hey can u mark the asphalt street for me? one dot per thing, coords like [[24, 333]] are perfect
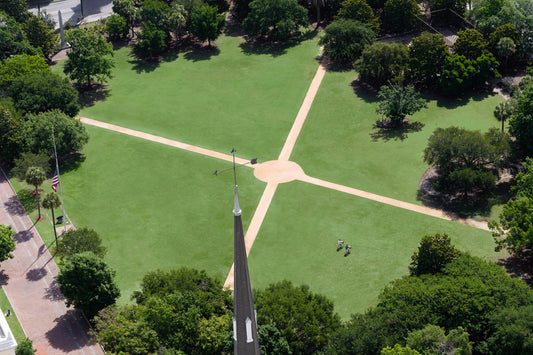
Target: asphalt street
[[71, 9]]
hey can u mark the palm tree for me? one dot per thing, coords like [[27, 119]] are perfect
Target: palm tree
[[35, 176], [503, 111], [51, 201]]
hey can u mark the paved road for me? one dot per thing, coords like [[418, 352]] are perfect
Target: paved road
[[29, 282], [71, 10]]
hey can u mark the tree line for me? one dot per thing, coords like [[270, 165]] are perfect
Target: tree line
[[449, 303]]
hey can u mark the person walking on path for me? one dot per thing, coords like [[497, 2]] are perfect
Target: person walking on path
[[30, 284]]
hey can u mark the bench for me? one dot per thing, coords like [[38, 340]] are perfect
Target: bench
[[59, 220]]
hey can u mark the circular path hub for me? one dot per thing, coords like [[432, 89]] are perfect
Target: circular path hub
[[278, 171]]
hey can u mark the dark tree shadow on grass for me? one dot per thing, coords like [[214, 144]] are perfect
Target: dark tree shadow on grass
[[477, 204], [27, 200], [202, 53], [364, 91], [399, 133], [71, 162], [519, 266], [88, 96], [451, 103], [258, 46]]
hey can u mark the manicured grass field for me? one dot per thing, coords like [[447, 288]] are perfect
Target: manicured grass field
[[298, 242], [160, 207], [156, 206], [230, 98], [339, 144], [12, 320]]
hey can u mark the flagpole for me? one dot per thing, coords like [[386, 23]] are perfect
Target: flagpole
[[60, 185]]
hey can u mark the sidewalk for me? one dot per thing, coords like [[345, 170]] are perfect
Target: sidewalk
[[29, 282]]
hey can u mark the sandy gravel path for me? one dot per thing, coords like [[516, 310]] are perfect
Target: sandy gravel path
[[170, 142], [29, 282]]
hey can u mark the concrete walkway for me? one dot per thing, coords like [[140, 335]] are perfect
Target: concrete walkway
[[29, 282]]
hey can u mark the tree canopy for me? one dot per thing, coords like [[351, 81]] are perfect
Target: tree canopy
[[70, 133], [44, 91], [470, 43], [398, 101], [275, 19], [89, 57], [344, 40], [434, 252], [7, 244], [427, 55], [88, 283], [359, 10], [20, 65], [399, 15], [307, 320], [206, 24], [382, 62], [80, 240]]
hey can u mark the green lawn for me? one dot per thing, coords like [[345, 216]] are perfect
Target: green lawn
[[233, 98], [156, 206], [159, 207], [298, 242], [12, 320], [338, 142]]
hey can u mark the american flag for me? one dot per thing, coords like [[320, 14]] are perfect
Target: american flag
[[55, 181]]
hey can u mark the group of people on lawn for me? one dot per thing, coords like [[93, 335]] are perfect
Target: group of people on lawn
[[348, 248]]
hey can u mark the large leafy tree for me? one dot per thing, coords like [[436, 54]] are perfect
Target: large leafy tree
[[521, 124], [116, 26], [20, 65], [524, 180], [513, 331], [432, 340], [89, 57], [40, 36], [470, 43], [466, 293], [398, 101], [457, 75], [7, 244], [360, 11], [70, 134], [399, 15], [35, 176], [434, 252], [382, 62], [467, 160], [305, 319], [427, 55], [80, 240], [13, 41], [213, 298], [344, 40], [11, 136], [514, 231], [157, 12], [275, 19], [28, 159], [506, 48], [127, 10], [44, 91], [18, 9], [88, 283], [206, 24], [151, 40], [122, 329]]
